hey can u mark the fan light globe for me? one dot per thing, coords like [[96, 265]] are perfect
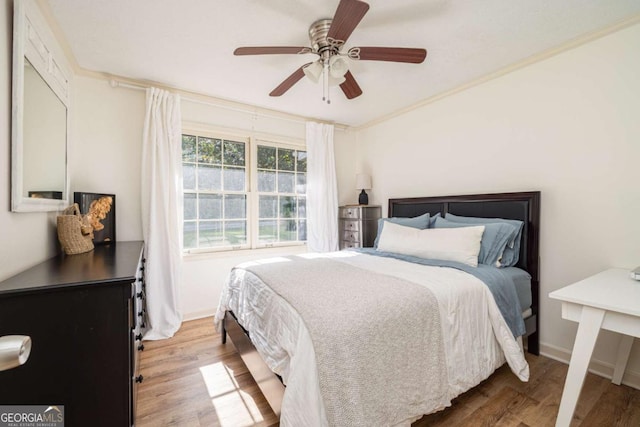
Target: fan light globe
[[313, 71], [338, 66]]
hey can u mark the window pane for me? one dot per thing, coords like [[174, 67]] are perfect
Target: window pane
[[302, 207], [234, 153], [301, 183], [190, 211], [209, 178], [286, 182], [267, 181], [209, 150], [286, 159], [288, 231], [267, 231], [235, 206], [188, 176], [234, 179], [188, 148], [210, 206], [266, 157], [287, 207], [302, 161], [235, 232], [210, 234], [302, 230], [189, 235], [268, 207]]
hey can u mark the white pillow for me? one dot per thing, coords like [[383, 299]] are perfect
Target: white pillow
[[450, 244]]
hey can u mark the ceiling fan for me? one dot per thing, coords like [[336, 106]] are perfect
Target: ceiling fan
[[328, 37]]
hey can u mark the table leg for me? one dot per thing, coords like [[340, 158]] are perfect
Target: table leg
[[588, 329], [624, 349]]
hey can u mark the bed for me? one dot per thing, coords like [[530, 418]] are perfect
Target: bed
[[396, 380]]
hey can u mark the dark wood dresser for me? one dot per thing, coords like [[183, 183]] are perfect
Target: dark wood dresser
[[84, 314]]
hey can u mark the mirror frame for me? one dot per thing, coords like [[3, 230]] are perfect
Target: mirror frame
[[34, 40]]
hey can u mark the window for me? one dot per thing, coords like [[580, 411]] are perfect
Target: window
[[282, 184], [218, 178]]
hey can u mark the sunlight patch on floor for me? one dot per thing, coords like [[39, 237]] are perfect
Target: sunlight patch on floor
[[233, 405]]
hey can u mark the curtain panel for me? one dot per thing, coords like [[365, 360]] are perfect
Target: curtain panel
[[322, 189], [162, 211]]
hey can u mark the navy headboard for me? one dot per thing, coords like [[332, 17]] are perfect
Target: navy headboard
[[524, 206]]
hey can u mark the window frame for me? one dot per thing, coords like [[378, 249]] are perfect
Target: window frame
[[252, 140], [255, 214]]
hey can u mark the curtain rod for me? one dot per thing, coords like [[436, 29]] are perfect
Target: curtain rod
[[116, 83]]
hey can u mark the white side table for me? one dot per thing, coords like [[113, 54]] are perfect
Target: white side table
[[609, 300]]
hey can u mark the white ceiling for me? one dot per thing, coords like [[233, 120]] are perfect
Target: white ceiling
[[188, 44]]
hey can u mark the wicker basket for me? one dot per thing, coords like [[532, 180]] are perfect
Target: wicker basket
[[74, 233]]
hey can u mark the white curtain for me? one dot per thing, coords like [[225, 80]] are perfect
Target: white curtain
[[162, 211], [322, 189]]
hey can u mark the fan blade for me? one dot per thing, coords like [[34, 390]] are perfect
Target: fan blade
[[392, 54], [289, 82], [271, 50], [350, 86], [347, 17]]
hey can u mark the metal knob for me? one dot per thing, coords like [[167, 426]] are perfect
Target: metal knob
[[139, 378]]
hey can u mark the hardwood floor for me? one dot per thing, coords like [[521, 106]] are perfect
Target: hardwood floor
[[194, 380]]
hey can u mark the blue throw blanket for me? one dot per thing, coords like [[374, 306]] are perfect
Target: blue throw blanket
[[499, 283]]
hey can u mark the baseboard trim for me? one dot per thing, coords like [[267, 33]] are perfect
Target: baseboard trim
[[598, 367], [198, 315]]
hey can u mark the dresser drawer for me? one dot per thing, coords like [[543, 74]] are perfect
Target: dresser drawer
[[350, 225], [346, 245], [351, 236], [349, 212]]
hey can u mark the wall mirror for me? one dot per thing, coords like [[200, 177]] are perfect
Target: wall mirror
[[40, 119]]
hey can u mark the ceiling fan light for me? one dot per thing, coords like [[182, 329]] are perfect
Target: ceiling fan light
[[313, 71], [338, 66]]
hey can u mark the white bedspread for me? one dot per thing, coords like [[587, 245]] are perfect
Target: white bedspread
[[477, 339]]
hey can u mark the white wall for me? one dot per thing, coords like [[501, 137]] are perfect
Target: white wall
[[106, 148], [27, 238], [567, 126]]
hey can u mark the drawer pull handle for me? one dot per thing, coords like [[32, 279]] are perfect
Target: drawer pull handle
[[141, 347], [138, 337], [139, 378], [139, 294]]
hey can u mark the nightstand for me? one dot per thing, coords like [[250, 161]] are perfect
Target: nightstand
[[358, 225]]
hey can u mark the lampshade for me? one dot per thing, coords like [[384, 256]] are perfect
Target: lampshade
[[313, 71], [363, 181]]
